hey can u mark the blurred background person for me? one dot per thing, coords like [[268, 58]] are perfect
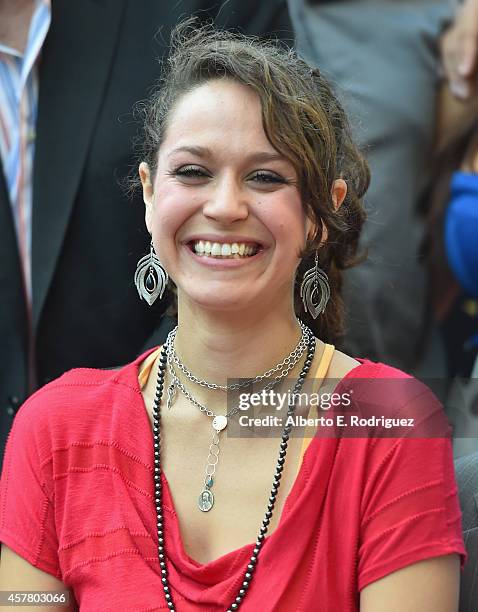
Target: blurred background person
[[70, 73], [451, 246], [384, 57], [453, 203]]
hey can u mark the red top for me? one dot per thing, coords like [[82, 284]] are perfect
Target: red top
[[77, 502]]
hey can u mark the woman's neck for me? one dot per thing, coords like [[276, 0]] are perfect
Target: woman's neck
[[217, 346]]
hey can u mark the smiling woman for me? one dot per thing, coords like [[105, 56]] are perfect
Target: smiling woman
[[297, 143], [133, 488], [224, 193]]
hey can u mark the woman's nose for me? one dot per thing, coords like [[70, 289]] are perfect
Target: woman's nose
[[227, 202]]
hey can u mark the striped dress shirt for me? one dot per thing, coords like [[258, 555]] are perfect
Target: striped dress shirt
[[18, 113]]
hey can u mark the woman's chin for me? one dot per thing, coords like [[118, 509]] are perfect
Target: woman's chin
[[217, 300], [220, 305]]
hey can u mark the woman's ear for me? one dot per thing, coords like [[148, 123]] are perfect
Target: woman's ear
[[339, 191], [148, 193]]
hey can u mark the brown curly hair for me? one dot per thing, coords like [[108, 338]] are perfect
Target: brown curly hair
[[302, 119]]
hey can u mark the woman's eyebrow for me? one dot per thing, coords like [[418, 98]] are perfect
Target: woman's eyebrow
[[266, 156], [195, 150], [262, 156]]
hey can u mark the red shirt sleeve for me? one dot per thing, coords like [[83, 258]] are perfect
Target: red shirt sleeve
[[27, 524], [410, 509]]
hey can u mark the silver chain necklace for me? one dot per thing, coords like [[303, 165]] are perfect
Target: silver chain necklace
[[284, 367], [220, 422]]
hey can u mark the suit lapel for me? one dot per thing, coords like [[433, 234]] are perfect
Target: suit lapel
[[74, 69]]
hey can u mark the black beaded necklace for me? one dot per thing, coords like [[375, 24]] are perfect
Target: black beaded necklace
[[158, 494]]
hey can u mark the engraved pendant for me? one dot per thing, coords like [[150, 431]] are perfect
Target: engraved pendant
[[219, 422], [206, 500]]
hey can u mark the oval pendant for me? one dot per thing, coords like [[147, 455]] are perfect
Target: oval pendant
[[206, 500], [219, 422], [150, 282]]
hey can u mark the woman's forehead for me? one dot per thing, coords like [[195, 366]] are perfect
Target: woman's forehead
[[217, 100], [217, 115]]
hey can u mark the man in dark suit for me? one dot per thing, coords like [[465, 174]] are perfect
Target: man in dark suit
[[99, 58]]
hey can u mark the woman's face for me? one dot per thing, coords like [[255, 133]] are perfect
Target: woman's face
[[224, 211]]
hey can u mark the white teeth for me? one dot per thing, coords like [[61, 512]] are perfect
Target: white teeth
[[224, 249], [199, 247]]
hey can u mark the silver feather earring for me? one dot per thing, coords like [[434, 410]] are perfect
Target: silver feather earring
[[315, 279], [150, 277]]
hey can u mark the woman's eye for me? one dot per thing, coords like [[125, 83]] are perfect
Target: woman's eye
[[190, 172], [267, 177]]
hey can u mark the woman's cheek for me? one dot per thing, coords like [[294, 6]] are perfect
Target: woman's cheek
[[286, 224], [164, 220], [174, 206], [167, 219]]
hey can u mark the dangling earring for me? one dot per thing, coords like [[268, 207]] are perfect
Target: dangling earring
[[150, 277], [309, 290]]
